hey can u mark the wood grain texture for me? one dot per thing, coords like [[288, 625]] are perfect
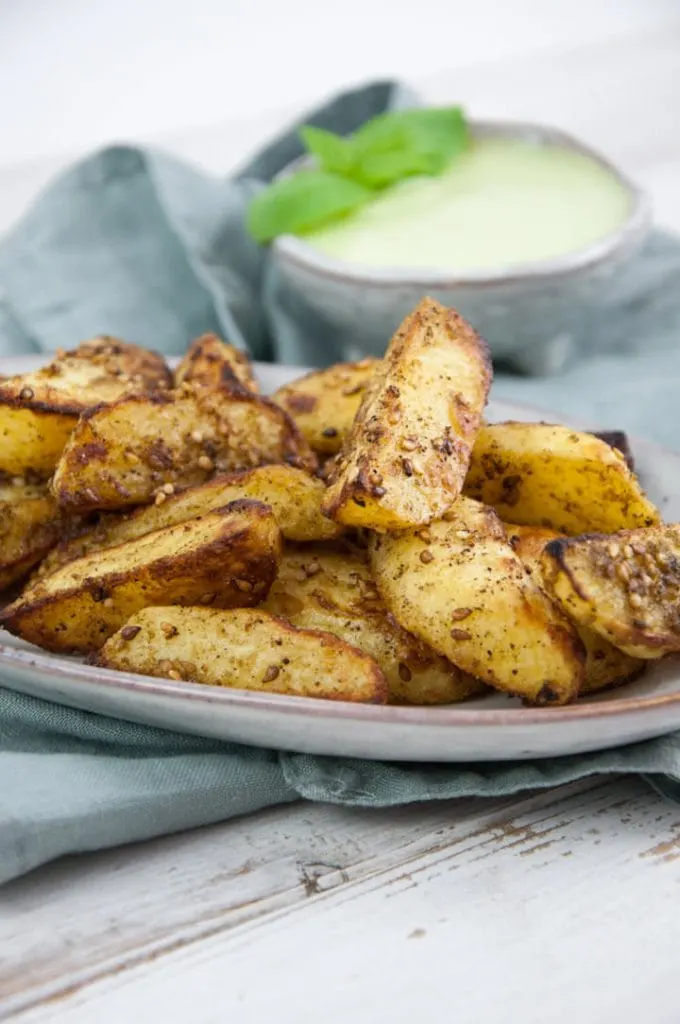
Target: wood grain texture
[[433, 913]]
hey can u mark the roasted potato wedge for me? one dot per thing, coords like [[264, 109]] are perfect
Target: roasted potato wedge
[[133, 450], [625, 587], [459, 586], [540, 474], [324, 403], [319, 587], [293, 496], [247, 649], [211, 362], [618, 439], [39, 410], [30, 523], [605, 665], [408, 450], [227, 558]]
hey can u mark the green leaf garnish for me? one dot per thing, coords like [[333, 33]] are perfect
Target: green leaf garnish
[[297, 204], [333, 152], [385, 150]]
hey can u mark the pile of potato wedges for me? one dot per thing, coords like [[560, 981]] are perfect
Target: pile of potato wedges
[[362, 535]]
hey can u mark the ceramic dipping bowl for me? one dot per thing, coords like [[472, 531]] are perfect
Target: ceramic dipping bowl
[[534, 316]]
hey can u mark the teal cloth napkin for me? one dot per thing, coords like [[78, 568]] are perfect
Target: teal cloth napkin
[[134, 243]]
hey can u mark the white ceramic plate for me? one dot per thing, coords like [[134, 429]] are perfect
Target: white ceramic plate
[[491, 728]]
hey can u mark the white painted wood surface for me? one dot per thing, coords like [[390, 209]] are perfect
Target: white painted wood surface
[[553, 908]]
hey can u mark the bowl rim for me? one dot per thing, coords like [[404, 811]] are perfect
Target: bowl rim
[[617, 243]]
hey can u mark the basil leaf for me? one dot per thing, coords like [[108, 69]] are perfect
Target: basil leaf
[[304, 201], [396, 145], [333, 152]]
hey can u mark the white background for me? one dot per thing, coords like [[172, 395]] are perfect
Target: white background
[[78, 73]]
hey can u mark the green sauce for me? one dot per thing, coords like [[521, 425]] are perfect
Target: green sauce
[[503, 202]]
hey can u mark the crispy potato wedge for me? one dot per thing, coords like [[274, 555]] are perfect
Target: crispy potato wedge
[[624, 587], [39, 410], [539, 474], [247, 649], [331, 589], [606, 666], [618, 439], [293, 496], [408, 451], [131, 451], [324, 403], [211, 362], [227, 558], [459, 586], [30, 524]]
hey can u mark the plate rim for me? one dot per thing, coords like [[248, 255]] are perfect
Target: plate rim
[[452, 715], [57, 668]]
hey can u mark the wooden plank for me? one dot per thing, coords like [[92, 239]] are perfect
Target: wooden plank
[[566, 896], [85, 916]]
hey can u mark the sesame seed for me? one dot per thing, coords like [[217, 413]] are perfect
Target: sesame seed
[[426, 556], [168, 630], [168, 488], [407, 466], [26, 393], [160, 498], [462, 534], [378, 492], [460, 613], [460, 634], [628, 551], [405, 672], [425, 534], [196, 436], [409, 444], [130, 632], [635, 600], [271, 674], [312, 568], [108, 602], [245, 586], [622, 571], [613, 550], [205, 462], [329, 432], [174, 674]]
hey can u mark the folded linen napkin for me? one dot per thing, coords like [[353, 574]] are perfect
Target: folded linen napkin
[[134, 243]]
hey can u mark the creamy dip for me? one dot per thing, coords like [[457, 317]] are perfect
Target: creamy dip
[[503, 202]]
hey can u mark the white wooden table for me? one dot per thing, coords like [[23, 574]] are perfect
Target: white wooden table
[[559, 907]]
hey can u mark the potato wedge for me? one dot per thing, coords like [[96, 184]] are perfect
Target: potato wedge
[[131, 451], [618, 439], [460, 587], [293, 496], [606, 666], [539, 474], [625, 587], [211, 362], [408, 451], [227, 558], [30, 524], [246, 649], [324, 403], [331, 589], [39, 410]]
